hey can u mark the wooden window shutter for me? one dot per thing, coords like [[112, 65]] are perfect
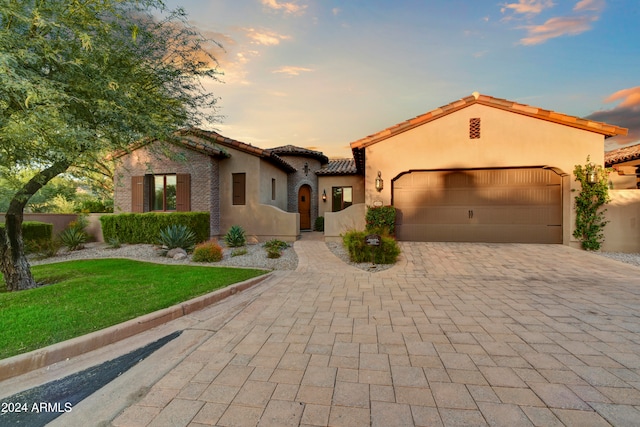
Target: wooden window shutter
[[137, 194], [239, 184], [183, 192]]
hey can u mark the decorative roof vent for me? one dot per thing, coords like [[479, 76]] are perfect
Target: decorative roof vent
[[474, 128]]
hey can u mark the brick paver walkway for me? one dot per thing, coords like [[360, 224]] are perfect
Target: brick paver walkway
[[454, 335]]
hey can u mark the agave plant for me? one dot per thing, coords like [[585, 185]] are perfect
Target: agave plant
[[178, 236], [73, 238], [235, 237]]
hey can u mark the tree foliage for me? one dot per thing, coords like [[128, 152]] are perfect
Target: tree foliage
[[594, 193], [79, 79]]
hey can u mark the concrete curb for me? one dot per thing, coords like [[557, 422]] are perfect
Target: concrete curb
[[27, 362]]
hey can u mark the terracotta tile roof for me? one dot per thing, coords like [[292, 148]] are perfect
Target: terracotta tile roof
[[292, 150], [242, 146], [338, 167], [621, 155], [196, 145], [503, 104]]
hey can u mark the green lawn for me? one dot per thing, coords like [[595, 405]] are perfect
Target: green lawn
[[85, 296]]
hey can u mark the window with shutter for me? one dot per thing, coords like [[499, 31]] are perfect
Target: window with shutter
[[171, 192], [239, 187], [137, 194], [183, 192]]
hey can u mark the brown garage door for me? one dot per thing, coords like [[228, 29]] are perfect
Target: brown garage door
[[522, 205]]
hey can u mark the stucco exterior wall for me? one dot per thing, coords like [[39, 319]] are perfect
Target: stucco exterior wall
[[326, 183], [264, 221], [267, 173], [337, 223], [507, 140], [622, 233]]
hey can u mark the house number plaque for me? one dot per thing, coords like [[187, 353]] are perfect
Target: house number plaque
[[372, 240]]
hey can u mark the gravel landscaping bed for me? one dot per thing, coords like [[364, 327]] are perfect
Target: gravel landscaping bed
[[256, 256], [633, 259]]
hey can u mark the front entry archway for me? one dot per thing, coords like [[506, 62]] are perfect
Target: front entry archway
[[304, 207]]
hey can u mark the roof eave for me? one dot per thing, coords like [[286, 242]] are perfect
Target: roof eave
[[589, 125]]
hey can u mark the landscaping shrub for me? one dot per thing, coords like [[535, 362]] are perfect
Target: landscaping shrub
[[273, 252], [35, 231], [38, 238], [145, 227], [381, 220], [275, 247], [238, 252], [359, 251], [73, 238], [319, 224], [207, 252], [178, 236], [113, 242], [235, 237], [275, 243]]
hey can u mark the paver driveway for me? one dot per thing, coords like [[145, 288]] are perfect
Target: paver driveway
[[455, 334]]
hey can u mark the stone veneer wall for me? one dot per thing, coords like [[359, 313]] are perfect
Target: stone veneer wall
[[298, 179], [204, 171]]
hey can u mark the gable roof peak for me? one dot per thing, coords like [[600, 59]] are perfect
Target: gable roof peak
[[477, 98]]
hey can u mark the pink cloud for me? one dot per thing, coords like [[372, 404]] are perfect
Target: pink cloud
[[528, 6], [289, 8], [578, 21], [592, 5], [557, 27], [626, 114]]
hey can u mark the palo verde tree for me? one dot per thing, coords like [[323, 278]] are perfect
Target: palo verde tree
[[80, 78]]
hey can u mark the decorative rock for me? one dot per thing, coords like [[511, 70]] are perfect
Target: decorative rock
[[252, 240], [180, 256], [173, 252]]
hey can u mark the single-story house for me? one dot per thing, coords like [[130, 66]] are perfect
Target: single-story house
[[479, 169], [271, 193]]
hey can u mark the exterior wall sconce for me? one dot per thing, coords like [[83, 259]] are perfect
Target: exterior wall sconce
[[379, 182], [324, 195], [306, 168], [592, 177]]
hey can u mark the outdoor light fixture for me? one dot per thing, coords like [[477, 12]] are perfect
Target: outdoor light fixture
[[306, 168], [324, 195], [379, 182], [592, 177]]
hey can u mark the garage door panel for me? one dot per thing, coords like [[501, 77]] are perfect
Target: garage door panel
[[479, 233], [497, 205]]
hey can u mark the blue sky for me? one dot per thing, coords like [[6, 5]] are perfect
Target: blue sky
[[323, 73]]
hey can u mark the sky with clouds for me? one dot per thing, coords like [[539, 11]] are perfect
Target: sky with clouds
[[323, 73]]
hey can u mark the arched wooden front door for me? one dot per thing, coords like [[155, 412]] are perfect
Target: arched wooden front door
[[304, 207]]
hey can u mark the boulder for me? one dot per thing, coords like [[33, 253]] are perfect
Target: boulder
[[252, 240], [179, 256], [173, 252]]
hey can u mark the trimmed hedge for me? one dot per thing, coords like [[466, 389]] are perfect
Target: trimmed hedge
[[35, 231], [359, 251], [146, 227], [36, 235]]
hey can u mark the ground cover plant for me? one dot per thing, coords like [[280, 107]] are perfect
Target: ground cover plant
[[275, 247], [79, 297]]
